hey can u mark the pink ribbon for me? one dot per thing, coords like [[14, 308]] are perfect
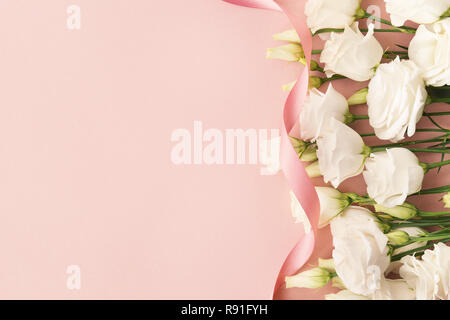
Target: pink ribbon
[[293, 168]]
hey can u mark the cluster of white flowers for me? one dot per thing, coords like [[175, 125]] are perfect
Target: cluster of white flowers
[[365, 243]]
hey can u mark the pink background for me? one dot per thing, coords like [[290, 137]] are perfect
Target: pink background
[[86, 177]]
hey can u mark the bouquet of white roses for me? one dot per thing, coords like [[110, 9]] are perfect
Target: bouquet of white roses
[[384, 247]]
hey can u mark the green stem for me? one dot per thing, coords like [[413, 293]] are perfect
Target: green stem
[[430, 151], [335, 77], [442, 151], [437, 190], [386, 22], [372, 134], [316, 51], [439, 100], [327, 30], [410, 252], [424, 238], [437, 113], [360, 117], [397, 52], [433, 214], [418, 224], [408, 143], [430, 166]]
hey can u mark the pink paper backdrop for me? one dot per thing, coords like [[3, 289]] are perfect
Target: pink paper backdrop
[[86, 177]]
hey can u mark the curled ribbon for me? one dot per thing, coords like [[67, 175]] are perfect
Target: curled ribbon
[[293, 168]]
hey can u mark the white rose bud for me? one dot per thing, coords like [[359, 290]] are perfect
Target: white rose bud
[[392, 175], [288, 35], [430, 276], [306, 151], [318, 109], [418, 11], [327, 264], [394, 267], [405, 211], [352, 54], [360, 250], [323, 14], [332, 203], [412, 232], [397, 237], [313, 170], [396, 99], [312, 279], [429, 49], [341, 152], [289, 52], [359, 97]]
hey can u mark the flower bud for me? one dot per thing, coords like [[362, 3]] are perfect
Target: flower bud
[[313, 170], [298, 144], [384, 227], [314, 66], [336, 282], [405, 211], [288, 35], [360, 97], [327, 264], [315, 82], [287, 52], [312, 279], [397, 237], [446, 200], [306, 151], [310, 153]]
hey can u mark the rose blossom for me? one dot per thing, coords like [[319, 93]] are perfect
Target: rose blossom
[[430, 276], [430, 50], [352, 54], [418, 11], [360, 250], [323, 14], [318, 110], [392, 175], [396, 99], [341, 153]]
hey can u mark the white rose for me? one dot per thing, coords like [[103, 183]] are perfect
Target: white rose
[[352, 54], [340, 152], [430, 50], [418, 11], [394, 290], [360, 250], [317, 111], [396, 99], [323, 14], [430, 276], [392, 175]]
